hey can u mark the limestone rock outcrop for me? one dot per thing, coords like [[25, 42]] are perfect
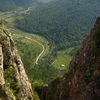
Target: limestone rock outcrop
[[14, 83]]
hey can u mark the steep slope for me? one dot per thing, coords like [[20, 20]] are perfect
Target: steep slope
[[82, 82], [14, 83], [64, 22]]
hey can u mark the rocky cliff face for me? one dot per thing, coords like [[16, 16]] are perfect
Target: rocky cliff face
[[14, 83], [82, 82]]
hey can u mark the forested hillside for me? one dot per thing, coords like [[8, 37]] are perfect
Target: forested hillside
[[62, 22], [7, 5]]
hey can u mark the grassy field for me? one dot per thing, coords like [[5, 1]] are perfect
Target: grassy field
[[63, 58], [27, 49], [20, 37]]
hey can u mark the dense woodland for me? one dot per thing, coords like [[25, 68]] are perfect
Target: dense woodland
[[62, 22], [7, 5]]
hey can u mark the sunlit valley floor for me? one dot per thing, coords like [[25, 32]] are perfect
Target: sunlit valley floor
[[51, 63]]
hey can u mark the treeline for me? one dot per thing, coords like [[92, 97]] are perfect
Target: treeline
[[64, 22]]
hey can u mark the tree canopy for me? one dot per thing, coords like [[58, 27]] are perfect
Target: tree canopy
[[62, 22]]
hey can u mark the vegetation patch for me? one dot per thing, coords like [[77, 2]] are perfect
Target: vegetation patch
[[11, 81], [64, 57]]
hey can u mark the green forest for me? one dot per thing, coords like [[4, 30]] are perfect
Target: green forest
[[10, 5], [7, 5], [64, 23]]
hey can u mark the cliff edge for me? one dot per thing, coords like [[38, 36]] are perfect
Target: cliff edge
[[14, 83], [82, 81]]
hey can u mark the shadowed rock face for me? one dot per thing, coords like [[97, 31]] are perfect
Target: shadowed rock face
[[14, 83], [82, 82]]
